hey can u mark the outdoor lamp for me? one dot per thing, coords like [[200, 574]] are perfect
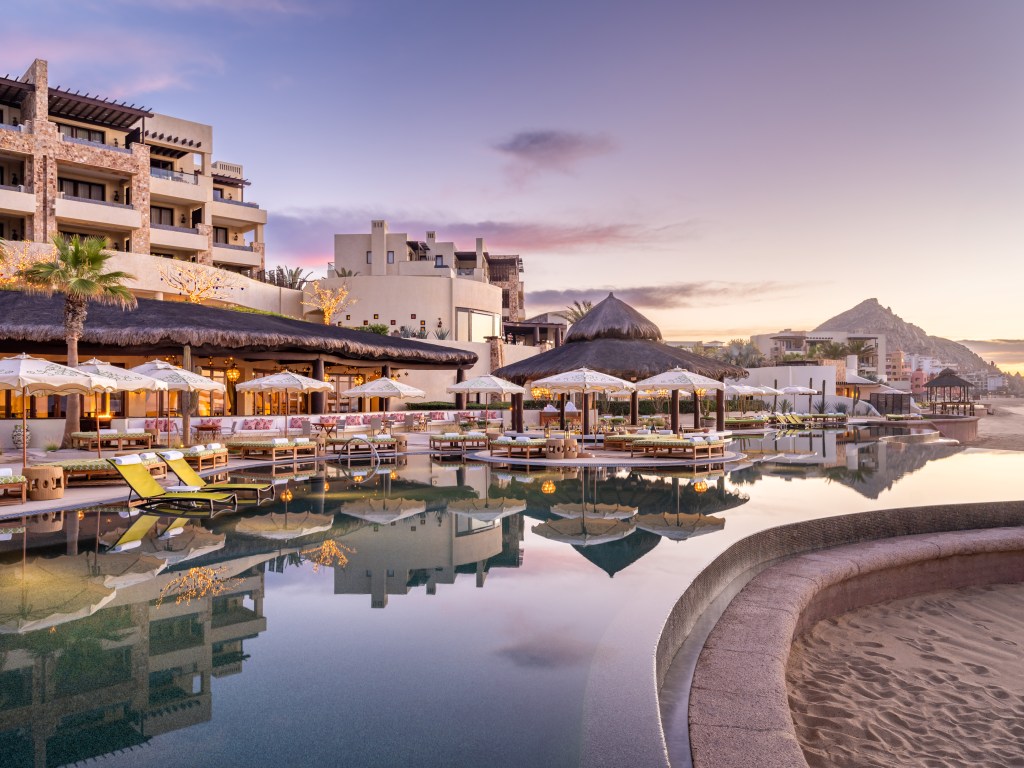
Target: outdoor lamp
[[287, 495], [232, 374], [548, 486], [701, 486]]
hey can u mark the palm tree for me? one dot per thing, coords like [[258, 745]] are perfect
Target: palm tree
[[345, 272], [576, 311], [288, 277], [862, 348], [829, 350], [78, 271]]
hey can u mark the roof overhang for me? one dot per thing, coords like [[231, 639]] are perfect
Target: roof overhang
[[13, 92], [94, 110]]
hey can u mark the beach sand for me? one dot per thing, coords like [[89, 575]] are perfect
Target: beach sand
[[1003, 429], [933, 680]]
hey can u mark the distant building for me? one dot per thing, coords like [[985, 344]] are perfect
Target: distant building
[[427, 285], [790, 343]]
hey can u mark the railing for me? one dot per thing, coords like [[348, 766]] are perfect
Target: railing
[[172, 228], [16, 188], [100, 144], [129, 206], [235, 202], [164, 173], [8, 127], [233, 247]]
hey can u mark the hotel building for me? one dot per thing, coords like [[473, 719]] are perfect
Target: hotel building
[[427, 286], [73, 163]]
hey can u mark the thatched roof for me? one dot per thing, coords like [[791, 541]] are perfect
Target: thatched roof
[[162, 327], [618, 357], [947, 379], [616, 339], [613, 319]]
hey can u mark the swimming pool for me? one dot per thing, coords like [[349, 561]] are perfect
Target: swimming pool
[[469, 638]]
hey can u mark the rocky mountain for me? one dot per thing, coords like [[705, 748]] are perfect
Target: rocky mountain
[[871, 317]]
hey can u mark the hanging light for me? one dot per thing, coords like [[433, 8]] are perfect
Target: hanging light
[[701, 486], [393, 475], [287, 495], [232, 374], [327, 487], [548, 486]]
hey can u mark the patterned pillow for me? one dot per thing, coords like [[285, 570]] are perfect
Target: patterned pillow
[[249, 423], [438, 416], [150, 424], [328, 419], [212, 423], [464, 415], [265, 424], [296, 422], [353, 421]]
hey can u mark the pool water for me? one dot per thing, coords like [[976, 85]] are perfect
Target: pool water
[[458, 633]]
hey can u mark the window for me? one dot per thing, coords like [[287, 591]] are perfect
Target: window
[[218, 194], [158, 215], [369, 257], [220, 235], [391, 257], [505, 295], [75, 132], [166, 165], [83, 189], [438, 261]]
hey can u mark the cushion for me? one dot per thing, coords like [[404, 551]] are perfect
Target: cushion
[[209, 423], [183, 488], [353, 421], [329, 419], [301, 440], [123, 460], [475, 434], [249, 423], [362, 435], [108, 431], [643, 432], [213, 447], [6, 472], [522, 439], [172, 455], [279, 441], [296, 422], [450, 434]]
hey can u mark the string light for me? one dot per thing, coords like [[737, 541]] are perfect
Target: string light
[[328, 554]]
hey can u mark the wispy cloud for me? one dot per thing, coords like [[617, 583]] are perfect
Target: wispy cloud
[[663, 295], [306, 236], [549, 652], [141, 67], [247, 7], [533, 152]]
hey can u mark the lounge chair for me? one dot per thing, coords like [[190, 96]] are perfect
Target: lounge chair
[[277, 448], [12, 483], [206, 456], [188, 476], [82, 471], [132, 538], [111, 438], [154, 496]]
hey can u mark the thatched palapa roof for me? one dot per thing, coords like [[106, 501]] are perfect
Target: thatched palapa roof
[[947, 379], [616, 339], [164, 327]]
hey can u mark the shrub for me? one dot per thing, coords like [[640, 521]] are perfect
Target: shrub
[[500, 406], [436, 405]]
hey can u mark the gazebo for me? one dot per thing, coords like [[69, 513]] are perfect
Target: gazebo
[[616, 339], [948, 393]]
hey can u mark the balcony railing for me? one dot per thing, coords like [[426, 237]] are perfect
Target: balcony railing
[[129, 206], [7, 127], [172, 228], [100, 144], [16, 188], [233, 247], [465, 271], [235, 202], [184, 178]]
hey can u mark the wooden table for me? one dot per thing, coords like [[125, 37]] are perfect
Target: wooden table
[[324, 428], [205, 434]]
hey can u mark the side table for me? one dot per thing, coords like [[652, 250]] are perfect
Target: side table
[[45, 483]]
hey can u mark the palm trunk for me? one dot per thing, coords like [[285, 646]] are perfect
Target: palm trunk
[[74, 324]]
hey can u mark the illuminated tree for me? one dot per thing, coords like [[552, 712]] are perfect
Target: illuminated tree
[[198, 283], [330, 301], [16, 258], [328, 554], [195, 584]]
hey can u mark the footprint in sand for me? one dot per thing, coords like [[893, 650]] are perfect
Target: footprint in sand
[[868, 644], [977, 669]]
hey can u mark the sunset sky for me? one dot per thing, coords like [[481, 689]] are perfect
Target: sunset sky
[[730, 167]]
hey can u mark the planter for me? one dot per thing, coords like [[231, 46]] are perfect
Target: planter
[[20, 436]]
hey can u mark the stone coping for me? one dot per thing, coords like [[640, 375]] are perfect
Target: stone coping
[[739, 709]]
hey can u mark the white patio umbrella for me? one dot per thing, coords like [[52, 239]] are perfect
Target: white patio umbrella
[[487, 510], [384, 387], [584, 531], [681, 380], [585, 381], [286, 382], [487, 385], [127, 381], [179, 380], [798, 390], [35, 376], [380, 512], [279, 526]]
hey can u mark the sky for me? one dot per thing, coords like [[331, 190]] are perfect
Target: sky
[[728, 166]]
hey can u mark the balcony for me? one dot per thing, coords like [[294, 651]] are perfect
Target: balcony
[[98, 144], [18, 199], [237, 213], [235, 255], [97, 213], [185, 238], [179, 176], [7, 127]]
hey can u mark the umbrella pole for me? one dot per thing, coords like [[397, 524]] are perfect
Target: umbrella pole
[[24, 428], [96, 413], [675, 411]]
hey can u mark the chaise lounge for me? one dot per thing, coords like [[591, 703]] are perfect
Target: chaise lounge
[[154, 497]]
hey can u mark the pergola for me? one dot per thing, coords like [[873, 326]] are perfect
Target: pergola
[[616, 339], [948, 393]]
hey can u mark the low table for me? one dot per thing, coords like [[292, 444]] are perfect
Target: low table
[[44, 483]]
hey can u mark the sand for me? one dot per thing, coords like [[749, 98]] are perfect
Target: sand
[[934, 680], [1003, 429]]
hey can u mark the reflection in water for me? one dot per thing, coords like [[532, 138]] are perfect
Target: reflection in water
[[92, 664]]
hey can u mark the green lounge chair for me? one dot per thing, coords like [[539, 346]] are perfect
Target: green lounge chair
[[155, 497], [176, 461]]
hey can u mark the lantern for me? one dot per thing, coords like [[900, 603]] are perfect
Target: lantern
[[548, 486], [701, 486], [232, 374]]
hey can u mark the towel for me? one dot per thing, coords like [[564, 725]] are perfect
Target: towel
[[279, 441], [122, 460], [213, 447], [6, 472], [173, 455]]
